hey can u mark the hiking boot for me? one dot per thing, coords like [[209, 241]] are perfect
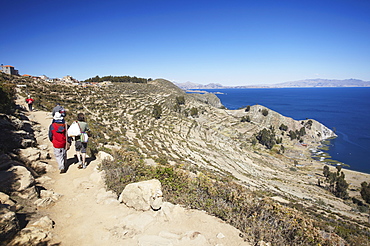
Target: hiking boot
[[79, 166], [62, 171]]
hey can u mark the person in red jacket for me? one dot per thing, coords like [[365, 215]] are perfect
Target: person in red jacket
[[29, 102], [58, 136]]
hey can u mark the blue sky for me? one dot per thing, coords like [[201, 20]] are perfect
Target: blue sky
[[228, 42]]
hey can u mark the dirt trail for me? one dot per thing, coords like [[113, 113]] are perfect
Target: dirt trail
[[86, 214]]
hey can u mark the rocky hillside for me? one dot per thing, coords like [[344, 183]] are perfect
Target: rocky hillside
[[258, 148]]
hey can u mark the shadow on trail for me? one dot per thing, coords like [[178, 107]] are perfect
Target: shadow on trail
[[74, 160]]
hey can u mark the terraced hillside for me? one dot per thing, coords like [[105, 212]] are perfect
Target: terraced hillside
[[256, 147]]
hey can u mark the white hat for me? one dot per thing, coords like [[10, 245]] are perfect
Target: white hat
[[58, 116]]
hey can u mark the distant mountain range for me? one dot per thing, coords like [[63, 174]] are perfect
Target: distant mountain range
[[299, 83]]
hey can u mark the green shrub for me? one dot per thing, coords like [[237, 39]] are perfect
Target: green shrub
[[266, 137], [180, 100], [245, 119], [265, 112], [157, 111], [194, 112], [7, 93], [283, 127], [221, 197], [365, 191], [336, 182]]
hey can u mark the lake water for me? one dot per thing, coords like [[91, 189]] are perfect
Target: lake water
[[345, 110]]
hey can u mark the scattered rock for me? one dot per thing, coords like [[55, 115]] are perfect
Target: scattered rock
[[47, 198], [103, 155], [37, 233], [6, 201], [106, 197], [28, 194], [9, 225], [28, 143], [29, 155], [41, 167], [43, 223], [138, 221]]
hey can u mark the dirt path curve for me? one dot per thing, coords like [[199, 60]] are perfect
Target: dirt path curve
[[86, 214]]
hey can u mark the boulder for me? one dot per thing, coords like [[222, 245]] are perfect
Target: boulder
[[143, 195], [22, 179], [9, 225], [16, 178]]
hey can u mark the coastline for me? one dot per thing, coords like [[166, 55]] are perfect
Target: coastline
[[334, 107]]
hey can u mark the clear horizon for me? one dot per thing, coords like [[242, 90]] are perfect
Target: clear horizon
[[227, 42]]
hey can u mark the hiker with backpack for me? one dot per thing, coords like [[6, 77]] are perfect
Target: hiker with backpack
[[29, 102], [60, 109], [78, 130], [61, 142]]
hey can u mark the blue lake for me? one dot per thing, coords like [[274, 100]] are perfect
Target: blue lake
[[345, 110]]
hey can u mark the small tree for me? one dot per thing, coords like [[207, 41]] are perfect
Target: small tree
[[266, 137], [326, 171], [341, 186], [283, 127], [180, 100], [245, 119], [292, 135], [265, 112], [157, 111], [194, 112], [365, 191], [7, 93], [248, 108], [337, 183]]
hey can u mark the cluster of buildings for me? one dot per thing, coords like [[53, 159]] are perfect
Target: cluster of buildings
[[9, 70], [12, 71], [66, 79]]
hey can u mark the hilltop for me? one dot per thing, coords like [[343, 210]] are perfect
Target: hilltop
[[263, 157]]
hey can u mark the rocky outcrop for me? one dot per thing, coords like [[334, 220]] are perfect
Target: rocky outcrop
[[208, 98]]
